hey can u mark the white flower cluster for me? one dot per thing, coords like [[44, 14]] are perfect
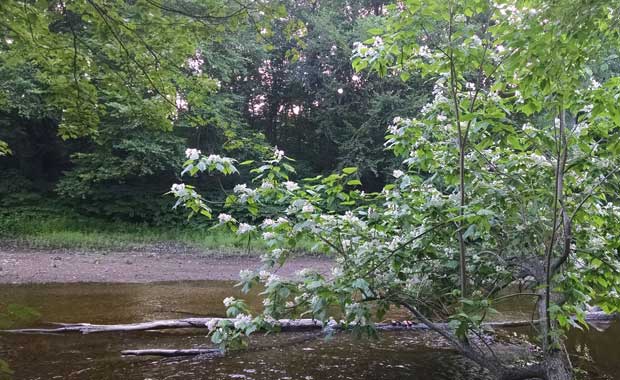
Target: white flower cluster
[[245, 228], [242, 321], [363, 51], [213, 159], [399, 125], [212, 324], [529, 128], [594, 84], [519, 98], [246, 275], [514, 15], [307, 207], [224, 218], [228, 301], [192, 154], [425, 52], [439, 93], [476, 41], [291, 186], [266, 185], [540, 160], [278, 154], [211, 162], [268, 222], [349, 218], [244, 192], [460, 18], [272, 279], [179, 190], [300, 205]]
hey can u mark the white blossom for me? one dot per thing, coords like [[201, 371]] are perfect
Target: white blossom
[[228, 301], [272, 279], [277, 253], [179, 190], [224, 218], [528, 128], [425, 52], [337, 271], [267, 223], [398, 173], [246, 274], [278, 153], [245, 228], [242, 321], [291, 186], [266, 185], [212, 324], [281, 220], [192, 154]]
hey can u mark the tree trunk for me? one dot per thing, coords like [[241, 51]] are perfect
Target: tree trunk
[[557, 365], [524, 373]]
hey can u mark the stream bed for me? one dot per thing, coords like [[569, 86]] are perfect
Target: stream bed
[[394, 356]]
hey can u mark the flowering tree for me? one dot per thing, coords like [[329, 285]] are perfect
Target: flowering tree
[[509, 176]]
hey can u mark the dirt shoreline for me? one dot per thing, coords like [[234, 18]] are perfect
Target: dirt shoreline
[[23, 266]]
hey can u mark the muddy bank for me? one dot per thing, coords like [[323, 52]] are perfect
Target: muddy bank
[[20, 266]]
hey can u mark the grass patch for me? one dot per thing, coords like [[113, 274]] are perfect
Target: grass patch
[[62, 229]]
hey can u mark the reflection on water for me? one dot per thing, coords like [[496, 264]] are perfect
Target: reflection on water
[[287, 356]]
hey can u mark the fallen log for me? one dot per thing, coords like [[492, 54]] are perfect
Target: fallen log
[[172, 352], [285, 325]]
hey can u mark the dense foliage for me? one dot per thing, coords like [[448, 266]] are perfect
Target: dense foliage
[[501, 166], [99, 99], [508, 176]]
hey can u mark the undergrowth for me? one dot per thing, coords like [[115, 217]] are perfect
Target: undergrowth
[[60, 228]]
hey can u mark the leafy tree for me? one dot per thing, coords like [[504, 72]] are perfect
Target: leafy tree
[[302, 92], [509, 176], [118, 75], [88, 58]]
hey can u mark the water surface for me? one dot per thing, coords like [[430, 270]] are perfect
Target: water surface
[[403, 355]]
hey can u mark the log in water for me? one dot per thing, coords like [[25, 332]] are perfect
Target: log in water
[[285, 325]]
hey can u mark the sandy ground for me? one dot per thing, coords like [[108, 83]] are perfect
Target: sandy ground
[[18, 265]]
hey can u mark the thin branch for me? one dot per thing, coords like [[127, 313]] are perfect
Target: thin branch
[[591, 192], [403, 245], [104, 17]]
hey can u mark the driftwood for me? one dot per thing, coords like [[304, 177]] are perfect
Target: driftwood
[[285, 325], [173, 352]]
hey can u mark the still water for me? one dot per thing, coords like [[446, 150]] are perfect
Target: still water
[[403, 355]]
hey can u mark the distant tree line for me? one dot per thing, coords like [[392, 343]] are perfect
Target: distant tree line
[[98, 104]]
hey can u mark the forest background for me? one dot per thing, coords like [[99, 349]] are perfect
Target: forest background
[[96, 111]]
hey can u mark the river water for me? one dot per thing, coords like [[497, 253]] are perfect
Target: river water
[[394, 356]]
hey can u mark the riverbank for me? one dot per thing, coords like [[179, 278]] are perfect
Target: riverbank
[[154, 263]]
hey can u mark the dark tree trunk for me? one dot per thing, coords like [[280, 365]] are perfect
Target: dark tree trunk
[[557, 365]]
